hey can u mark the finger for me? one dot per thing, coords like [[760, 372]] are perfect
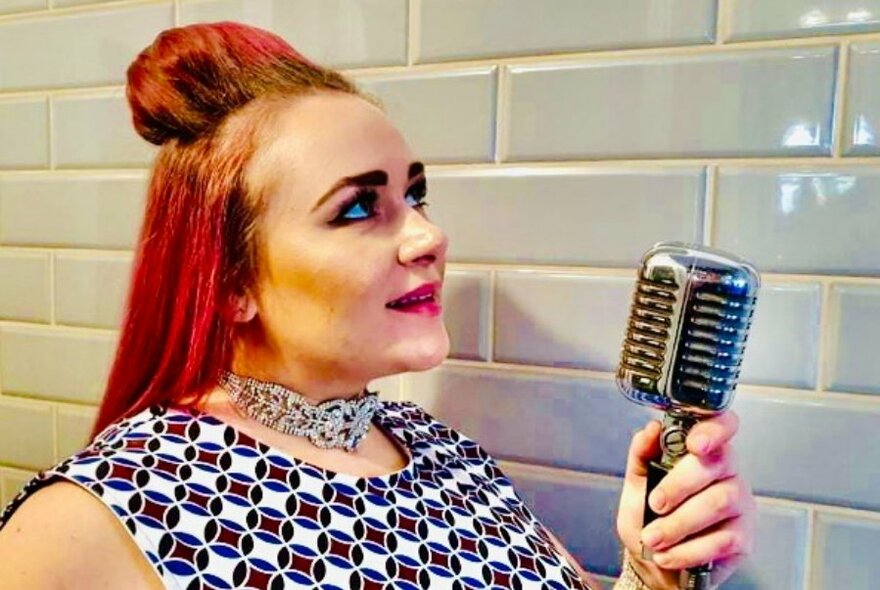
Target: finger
[[722, 569], [727, 540], [691, 475], [644, 447], [710, 434], [724, 500]]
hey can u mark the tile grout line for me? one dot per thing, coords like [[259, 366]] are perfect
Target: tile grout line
[[539, 167], [501, 123], [709, 197], [403, 389], [839, 134], [53, 11], [55, 444], [824, 354], [52, 311], [722, 15], [771, 278], [548, 471], [490, 319], [751, 389], [413, 33], [50, 129], [809, 549], [624, 55]]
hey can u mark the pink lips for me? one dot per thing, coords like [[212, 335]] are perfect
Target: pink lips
[[422, 301]]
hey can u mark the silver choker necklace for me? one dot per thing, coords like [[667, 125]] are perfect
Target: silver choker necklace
[[333, 424]]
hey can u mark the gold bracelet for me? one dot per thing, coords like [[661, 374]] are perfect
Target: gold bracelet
[[629, 579]]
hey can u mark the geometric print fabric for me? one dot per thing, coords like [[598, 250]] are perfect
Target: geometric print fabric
[[211, 507]]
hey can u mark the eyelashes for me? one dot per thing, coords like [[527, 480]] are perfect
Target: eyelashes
[[363, 205]]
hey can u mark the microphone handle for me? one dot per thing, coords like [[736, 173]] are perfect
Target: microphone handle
[[676, 426]]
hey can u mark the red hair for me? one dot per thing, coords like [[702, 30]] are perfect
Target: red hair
[[206, 93]]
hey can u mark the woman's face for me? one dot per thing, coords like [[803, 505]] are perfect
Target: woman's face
[[342, 236]]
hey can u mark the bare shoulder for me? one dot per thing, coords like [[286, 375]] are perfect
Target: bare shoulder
[[63, 533]]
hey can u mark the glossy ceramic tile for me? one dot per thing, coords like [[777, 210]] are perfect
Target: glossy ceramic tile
[[855, 324], [779, 558], [773, 102], [65, 3], [11, 482], [816, 449], [338, 33], [26, 437], [55, 364], [586, 424], [521, 416], [560, 319], [585, 216], [106, 121], [444, 116], [801, 220], [24, 133], [45, 47], [9, 6], [846, 551], [760, 19], [90, 290], [72, 211], [24, 286], [463, 29], [388, 387], [580, 510], [74, 427], [862, 114], [466, 313], [783, 344]]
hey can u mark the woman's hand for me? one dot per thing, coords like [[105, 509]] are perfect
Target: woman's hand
[[707, 512]]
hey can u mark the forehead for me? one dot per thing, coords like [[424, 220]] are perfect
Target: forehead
[[321, 138]]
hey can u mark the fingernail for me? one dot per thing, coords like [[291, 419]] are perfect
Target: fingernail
[[701, 442], [658, 500], [652, 536]]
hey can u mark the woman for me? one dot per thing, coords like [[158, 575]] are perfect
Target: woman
[[285, 262]]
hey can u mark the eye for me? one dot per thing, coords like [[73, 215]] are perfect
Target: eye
[[362, 206], [417, 193]]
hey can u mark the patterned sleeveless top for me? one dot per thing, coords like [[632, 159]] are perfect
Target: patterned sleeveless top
[[211, 507]]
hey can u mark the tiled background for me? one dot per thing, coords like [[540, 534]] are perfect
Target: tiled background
[[563, 138]]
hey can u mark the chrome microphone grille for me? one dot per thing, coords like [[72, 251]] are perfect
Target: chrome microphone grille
[[649, 332], [688, 324], [713, 337]]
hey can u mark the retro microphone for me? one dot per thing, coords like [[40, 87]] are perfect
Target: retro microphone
[[687, 329]]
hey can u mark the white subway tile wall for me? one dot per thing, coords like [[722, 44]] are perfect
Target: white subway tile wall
[[24, 133], [106, 121], [367, 32], [562, 140]]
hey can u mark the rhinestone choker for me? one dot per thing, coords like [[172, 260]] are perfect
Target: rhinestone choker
[[332, 424]]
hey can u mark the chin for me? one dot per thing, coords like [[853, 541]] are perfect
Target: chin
[[424, 355]]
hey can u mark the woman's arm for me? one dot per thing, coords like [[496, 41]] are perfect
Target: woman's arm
[[63, 537], [586, 577]]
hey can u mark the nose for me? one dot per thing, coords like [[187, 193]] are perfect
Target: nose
[[423, 242]]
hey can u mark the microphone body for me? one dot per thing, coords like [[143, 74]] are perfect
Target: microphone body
[[688, 324]]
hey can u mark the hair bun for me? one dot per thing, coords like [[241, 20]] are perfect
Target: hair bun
[[191, 77]]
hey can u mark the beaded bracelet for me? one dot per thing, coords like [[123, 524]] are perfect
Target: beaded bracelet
[[629, 579]]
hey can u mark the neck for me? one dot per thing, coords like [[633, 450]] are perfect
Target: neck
[[316, 386]]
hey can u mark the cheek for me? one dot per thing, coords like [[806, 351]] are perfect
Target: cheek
[[330, 288]]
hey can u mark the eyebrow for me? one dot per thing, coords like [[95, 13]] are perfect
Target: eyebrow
[[370, 178]]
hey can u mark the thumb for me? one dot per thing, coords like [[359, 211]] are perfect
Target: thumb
[[644, 447]]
